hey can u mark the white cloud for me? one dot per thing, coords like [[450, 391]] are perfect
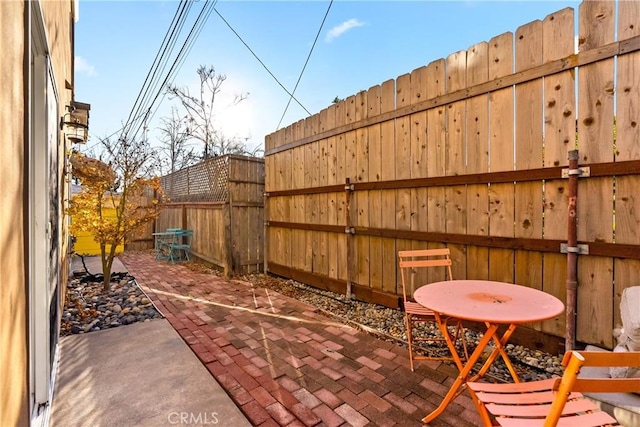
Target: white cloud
[[82, 66], [339, 30]]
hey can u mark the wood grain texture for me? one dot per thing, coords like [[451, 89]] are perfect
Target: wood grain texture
[[375, 198], [559, 89], [628, 92], [341, 175], [455, 161], [501, 157], [361, 198], [403, 163], [529, 153], [388, 197], [330, 162], [595, 196], [477, 123], [436, 155]]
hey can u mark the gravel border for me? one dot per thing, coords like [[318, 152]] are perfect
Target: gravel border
[[88, 308]]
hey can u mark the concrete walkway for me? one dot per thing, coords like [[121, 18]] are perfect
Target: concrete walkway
[[285, 364], [141, 374], [93, 265]]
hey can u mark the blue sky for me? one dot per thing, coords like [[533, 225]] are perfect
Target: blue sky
[[361, 44]]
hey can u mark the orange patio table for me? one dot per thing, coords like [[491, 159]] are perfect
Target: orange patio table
[[492, 303]]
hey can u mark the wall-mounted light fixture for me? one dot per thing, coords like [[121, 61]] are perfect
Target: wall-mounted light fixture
[[75, 123]]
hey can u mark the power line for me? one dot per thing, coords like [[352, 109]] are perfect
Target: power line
[[161, 55], [181, 61], [140, 112], [261, 63], [305, 64], [186, 47], [169, 38], [171, 74], [143, 108]]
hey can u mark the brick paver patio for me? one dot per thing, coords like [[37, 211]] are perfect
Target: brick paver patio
[[284, 364]]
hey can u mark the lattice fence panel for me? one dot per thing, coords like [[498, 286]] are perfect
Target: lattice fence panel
[[207, 181]]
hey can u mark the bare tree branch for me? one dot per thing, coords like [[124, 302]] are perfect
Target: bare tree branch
[[201, 114], [174, 137]]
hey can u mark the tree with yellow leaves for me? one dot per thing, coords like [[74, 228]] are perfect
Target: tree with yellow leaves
[[123, 183]]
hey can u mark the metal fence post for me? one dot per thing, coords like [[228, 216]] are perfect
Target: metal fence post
[[572, 253], [349, 231], [265, 252]]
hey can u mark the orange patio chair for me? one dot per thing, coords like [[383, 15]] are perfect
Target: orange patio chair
[[556, 401], [411, 262]]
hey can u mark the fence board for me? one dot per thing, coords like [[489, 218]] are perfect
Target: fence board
[[595, 130], [628, 93], [310, 207], [325, 216], [477, 124], [555, 265], [627, 210], [418, 135], [627, 148], [304, 237], [361, 199], [276, 247], [375, 198], [436, 153], [269, 176], [455, 196], [595, 144], [418, 166], [285, 202], [318, 215], [349, 211], [501, 158], [240, 252], [529, 155], [339, 241], [342, 111], [419, 154], [281, 213], [310, 128], [559, 89], [595, 311], [627, 231], [298, 237], [332, 198], [388, 197], [559, 121], [403, 165]]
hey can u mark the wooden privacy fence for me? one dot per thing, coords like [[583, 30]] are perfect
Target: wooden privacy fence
[[471, 152], [221, 200]]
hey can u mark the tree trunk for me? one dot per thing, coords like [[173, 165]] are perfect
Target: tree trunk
[[107, 263]]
